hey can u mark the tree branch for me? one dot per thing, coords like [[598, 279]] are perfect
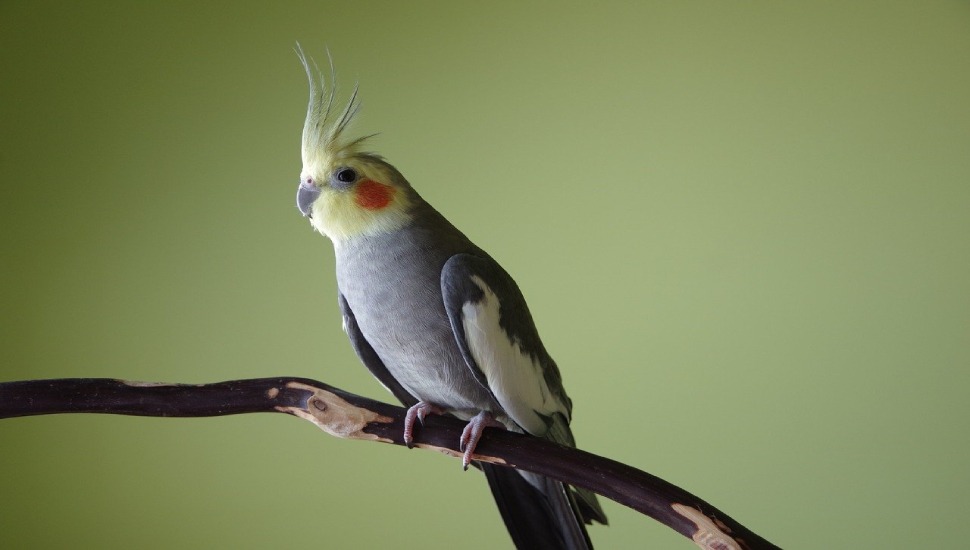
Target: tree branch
[[351, 416]]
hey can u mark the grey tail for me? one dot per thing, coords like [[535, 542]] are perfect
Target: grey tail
[[540, 516]]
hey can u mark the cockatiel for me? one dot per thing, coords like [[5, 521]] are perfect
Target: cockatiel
[[436, 320]]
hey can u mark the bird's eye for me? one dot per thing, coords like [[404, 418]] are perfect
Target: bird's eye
[[345, 175]]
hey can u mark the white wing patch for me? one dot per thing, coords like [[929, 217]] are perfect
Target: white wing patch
[[514, 377]]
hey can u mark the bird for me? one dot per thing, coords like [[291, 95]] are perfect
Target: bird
[[436, 319]]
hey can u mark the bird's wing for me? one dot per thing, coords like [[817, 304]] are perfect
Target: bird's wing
[[498, 339], [369, 357]]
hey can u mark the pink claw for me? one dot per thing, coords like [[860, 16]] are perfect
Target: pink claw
[[417, 412], [473, 432]]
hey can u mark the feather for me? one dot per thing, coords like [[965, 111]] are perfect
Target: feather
[[321, 136]]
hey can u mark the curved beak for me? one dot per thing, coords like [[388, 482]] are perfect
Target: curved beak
[[305, 195]]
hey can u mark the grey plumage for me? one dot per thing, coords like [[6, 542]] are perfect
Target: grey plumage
[[437, 320]]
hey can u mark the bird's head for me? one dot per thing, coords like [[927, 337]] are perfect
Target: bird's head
[[343, 191]]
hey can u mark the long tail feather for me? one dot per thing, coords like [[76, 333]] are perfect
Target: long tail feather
[[537, 519]]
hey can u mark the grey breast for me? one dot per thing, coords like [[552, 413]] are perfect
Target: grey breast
[[392, 284]]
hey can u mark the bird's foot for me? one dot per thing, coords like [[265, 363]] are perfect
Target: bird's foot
[[417, 412], [473, 432]]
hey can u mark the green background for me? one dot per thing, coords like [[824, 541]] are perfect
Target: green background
[[743, 228]]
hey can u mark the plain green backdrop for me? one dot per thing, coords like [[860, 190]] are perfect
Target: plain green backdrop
[[743, 229]]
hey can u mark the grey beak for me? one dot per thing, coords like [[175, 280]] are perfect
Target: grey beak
[[305, 195]]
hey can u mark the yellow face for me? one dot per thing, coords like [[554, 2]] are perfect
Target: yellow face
[[351, 196], [344, 192]]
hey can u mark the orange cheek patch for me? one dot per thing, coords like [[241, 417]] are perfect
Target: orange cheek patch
[[372, 195]]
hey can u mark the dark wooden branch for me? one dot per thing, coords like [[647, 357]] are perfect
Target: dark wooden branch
[[351, 416]]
